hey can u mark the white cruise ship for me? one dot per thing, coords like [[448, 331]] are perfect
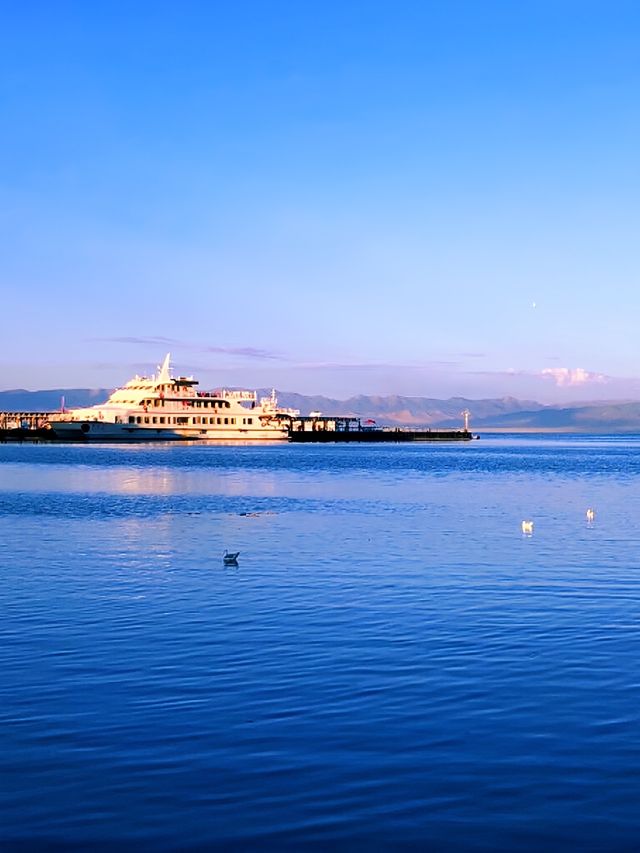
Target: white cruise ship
[[163, 408]]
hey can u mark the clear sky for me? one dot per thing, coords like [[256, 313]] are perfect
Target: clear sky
[[429, 198]]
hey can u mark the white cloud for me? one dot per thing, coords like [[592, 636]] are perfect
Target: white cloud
[[565, 376]]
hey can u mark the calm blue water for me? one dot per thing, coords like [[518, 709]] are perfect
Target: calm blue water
[[391, 664]]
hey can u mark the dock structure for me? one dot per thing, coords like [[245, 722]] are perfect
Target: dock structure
[[25, 425], [323, 423], [24, 420], [35, 426], [331, 428]]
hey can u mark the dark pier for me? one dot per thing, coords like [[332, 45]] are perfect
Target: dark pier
[[36, 426], [25, 426], [325, 429]]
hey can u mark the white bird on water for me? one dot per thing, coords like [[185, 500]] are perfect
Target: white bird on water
[[590, 515], [527, 527]]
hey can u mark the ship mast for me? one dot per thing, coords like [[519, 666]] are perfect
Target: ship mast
[[164, 371]]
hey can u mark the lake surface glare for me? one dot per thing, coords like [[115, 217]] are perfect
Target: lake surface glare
[[392, 663]]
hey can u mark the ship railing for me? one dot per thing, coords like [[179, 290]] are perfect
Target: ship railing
[[250, 396]]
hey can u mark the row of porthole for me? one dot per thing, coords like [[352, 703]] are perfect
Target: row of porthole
[[199, 404], [183, 420]]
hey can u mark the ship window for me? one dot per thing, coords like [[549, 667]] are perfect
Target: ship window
[[197, 420], [212, 420], [226, 420], [155, 420], [161, 420], [146, 420], [138, 420], [249, 420], [132, 420], [233, 420], [219, 420], [227, 405], [182, 420]]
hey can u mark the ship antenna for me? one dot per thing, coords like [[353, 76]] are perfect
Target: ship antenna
[[164, 371]]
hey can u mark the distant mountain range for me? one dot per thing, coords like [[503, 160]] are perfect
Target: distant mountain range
[[50, 401], [506, 413], [409, 411]]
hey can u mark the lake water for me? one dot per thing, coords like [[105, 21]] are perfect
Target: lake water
[[391, 664]]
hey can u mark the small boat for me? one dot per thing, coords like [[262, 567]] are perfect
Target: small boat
[[230, 558]]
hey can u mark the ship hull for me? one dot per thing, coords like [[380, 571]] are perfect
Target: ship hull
[[106, 431]]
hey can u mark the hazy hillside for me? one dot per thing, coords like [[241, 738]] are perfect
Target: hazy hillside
[[49, 401], [506, 413], [604, 417], [413, 411], [392, 410]]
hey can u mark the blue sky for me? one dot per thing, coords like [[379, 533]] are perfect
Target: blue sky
[[430, 198]]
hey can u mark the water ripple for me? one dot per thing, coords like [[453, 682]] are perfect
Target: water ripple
[[391, 664]]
